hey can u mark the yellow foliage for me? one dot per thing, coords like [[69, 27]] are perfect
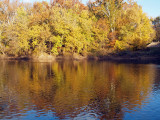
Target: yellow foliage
[[120, 45], [136, 29], [73, 28]]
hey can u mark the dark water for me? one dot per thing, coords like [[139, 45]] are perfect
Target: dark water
[[79, 91]]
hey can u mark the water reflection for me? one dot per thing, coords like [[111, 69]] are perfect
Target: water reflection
[[67, 90]]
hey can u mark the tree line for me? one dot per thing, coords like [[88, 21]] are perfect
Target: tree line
[[68, 26]]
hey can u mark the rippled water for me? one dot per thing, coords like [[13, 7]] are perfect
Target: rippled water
[[79, 90]]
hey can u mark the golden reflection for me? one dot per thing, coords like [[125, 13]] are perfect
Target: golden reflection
[[71, 88]]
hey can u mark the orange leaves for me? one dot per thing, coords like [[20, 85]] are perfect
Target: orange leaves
[[102, 24], [70, 4], [40, 13]]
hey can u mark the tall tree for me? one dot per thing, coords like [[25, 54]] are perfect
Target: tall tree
[[136, 30], [16, 34], [111, 11]]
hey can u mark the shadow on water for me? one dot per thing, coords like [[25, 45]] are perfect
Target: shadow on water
[[73, 89]]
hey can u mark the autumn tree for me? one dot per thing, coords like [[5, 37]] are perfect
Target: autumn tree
[[136, 30], [109, 10], [69, 27], [8, 10], [15, 36], [100, 32]]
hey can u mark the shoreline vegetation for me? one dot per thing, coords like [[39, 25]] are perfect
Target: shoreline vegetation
[[67, 29], [147, 55]]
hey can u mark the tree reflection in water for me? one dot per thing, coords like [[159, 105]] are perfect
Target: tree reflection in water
[[73, 89]]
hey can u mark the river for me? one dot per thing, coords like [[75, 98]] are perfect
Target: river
[[79, 90]]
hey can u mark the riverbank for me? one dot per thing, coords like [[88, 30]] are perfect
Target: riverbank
[[149, 54], [146, 55]]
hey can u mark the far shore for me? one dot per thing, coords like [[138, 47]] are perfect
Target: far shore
[[121, 57], [150, 54]]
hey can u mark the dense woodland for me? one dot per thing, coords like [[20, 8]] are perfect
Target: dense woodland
[[64, 27]]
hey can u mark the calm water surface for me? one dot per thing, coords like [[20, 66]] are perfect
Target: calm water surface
[[79, 90]]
